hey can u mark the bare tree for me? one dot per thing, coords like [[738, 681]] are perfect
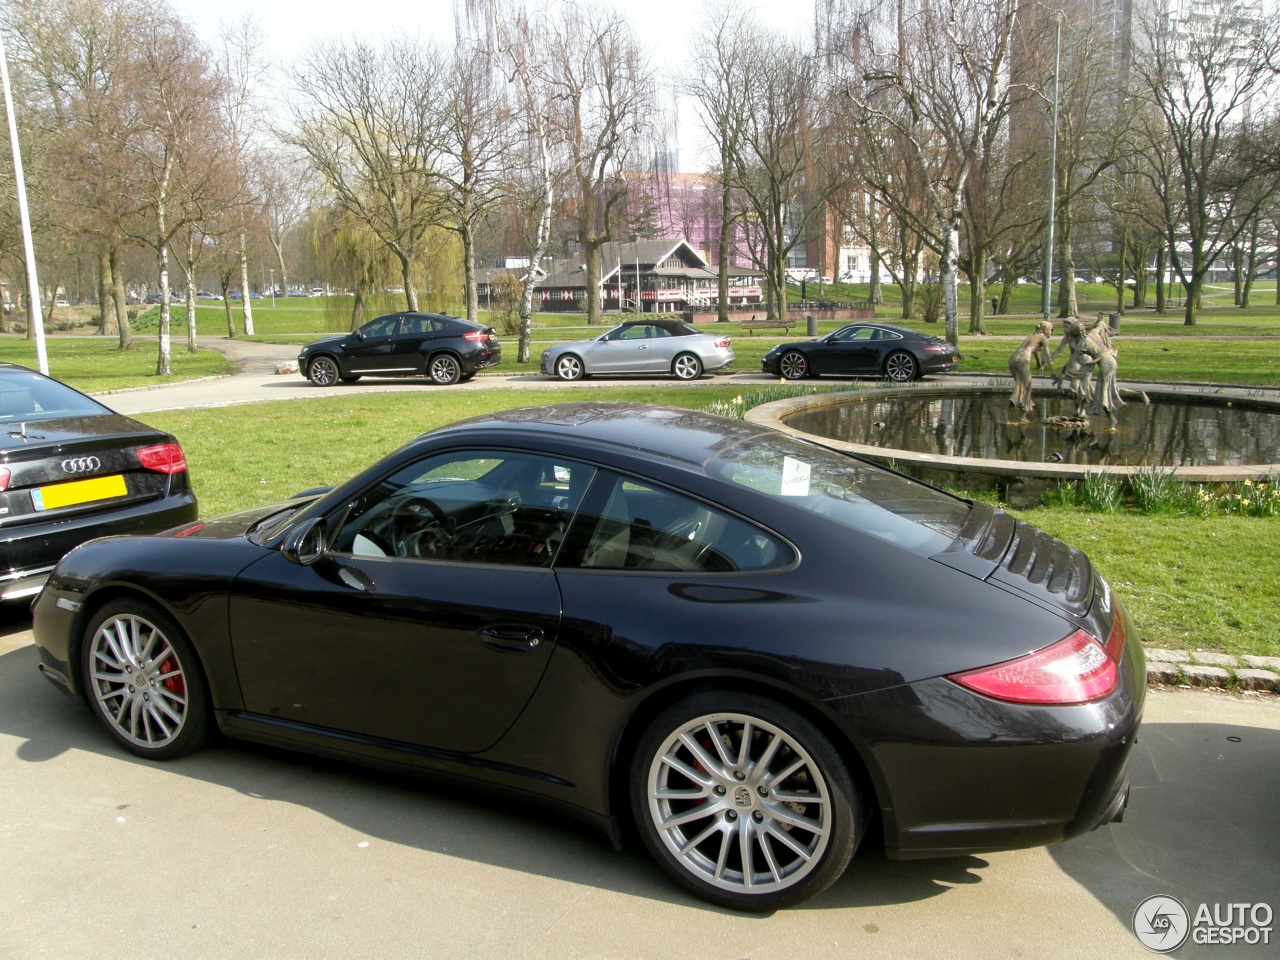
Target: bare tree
[[779, 169], [716, 80], [175, 154], [476, 139], [1206, 78], [364, 117], [517, 45], [938, 74], [603, 96]]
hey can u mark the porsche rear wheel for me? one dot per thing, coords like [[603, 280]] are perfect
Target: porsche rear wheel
[[744, 801], [144, 681], [900, 367]]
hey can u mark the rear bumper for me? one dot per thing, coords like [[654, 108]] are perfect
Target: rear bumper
[[956, 773], [29, 551]]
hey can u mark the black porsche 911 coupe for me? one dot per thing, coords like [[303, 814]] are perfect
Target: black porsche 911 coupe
[[752, 647], [863, 350]]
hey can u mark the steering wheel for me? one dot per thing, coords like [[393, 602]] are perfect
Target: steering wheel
[[415, 520]]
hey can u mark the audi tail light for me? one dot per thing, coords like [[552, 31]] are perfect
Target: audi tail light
[[163, 458], [1076, 669], [722, 344]]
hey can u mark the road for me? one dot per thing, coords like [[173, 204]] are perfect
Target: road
[[256, 380], [245, 853]]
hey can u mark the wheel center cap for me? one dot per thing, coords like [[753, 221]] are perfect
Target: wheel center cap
[[742, 797]]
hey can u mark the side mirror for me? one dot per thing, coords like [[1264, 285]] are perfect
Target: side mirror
[[305, 545]]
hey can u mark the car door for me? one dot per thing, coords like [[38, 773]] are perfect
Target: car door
[[438, 649], [409, 346], [849, 351], [625, 349], [370, 349]]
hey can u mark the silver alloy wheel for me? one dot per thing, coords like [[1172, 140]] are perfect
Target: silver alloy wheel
[[323, 372], [740, 804], [687, 367], [445, 369], [138, 681], [900, 367], [793, 365], [569, 367]]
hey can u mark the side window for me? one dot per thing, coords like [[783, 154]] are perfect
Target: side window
[[467, 507], [624, 524], [381, 327]]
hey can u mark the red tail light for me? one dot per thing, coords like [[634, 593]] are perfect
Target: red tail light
[[191, 529], [721, 344], [476, 336], [5, 477], [1076, 669], [163, 458]]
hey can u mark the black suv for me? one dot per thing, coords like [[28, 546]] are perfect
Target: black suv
[[446, 349]]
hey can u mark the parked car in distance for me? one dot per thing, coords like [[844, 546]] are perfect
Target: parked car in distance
[[656, 346], [446, 349], [71, 470], [755, 648], [863, 350]]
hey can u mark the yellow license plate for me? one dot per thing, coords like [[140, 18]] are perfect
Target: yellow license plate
[[78, 491]]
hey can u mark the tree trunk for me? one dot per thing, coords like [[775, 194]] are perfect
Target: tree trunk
[[106, 323], [722, 278], [406, 273], [469, 272], [1121, 270], [950, 241], [245, 302], [284, 271], [119, 298], [164, 353], [1161, 266], [591, 258], [977, 289], [357, 308], [1068, 303]]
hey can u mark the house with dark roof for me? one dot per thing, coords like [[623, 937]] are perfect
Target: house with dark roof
[[648, 276]]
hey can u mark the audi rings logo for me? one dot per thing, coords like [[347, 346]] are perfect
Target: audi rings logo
[[81, 465]]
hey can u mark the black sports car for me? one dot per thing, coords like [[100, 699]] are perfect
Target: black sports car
[[445, 349], [753, 647], [863, 350], [71, 470]]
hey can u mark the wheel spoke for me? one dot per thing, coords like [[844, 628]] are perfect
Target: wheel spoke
[[786, 815], [697, 776], [745, 845], [697, 750], [790, 842], [770, 860]]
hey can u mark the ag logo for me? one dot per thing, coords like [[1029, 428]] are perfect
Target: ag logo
[[1161, 924]]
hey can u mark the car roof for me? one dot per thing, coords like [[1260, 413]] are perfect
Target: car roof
[[691, 436]]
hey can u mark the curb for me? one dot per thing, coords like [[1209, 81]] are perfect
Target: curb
[[1204, 670]]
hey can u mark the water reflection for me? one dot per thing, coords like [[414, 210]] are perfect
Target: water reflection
[[1171, 433]]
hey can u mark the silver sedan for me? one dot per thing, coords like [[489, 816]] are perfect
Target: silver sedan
[[656, 346]]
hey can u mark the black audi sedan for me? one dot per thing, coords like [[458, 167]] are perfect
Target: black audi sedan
[[750, 650], [863, 350], [443, 348], [71, 470]]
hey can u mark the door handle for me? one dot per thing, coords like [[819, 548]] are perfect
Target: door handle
[[512, 638]]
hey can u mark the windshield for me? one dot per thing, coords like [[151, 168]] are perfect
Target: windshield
[[27, 396], [847, 491]]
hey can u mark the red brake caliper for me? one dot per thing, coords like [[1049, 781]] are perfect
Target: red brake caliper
[[173, 684]]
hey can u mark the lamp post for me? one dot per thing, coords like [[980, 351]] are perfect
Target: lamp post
[[1053, 174], [35, 315]]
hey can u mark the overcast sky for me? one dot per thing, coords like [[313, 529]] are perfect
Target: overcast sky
[[290, 27]]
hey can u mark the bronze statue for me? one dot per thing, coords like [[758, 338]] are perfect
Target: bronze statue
[[1035, 346], [1091, 348]]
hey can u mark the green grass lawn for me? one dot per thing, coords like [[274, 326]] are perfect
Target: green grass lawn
[[95, 364]]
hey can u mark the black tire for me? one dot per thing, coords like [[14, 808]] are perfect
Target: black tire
[[569, 366], [793, 365], [797, 846], [323, 371], [350, 378], [144, 681], [444, 369], [901, 367], [686, 367]]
